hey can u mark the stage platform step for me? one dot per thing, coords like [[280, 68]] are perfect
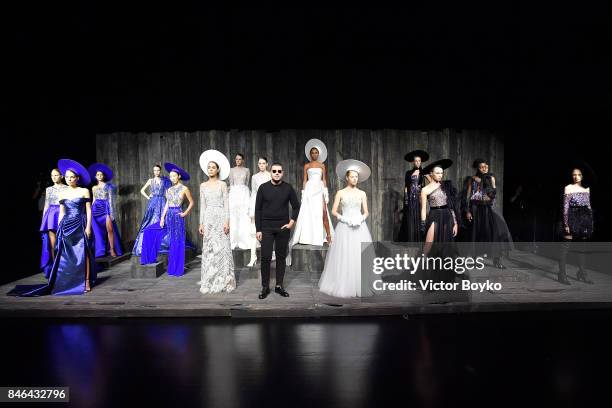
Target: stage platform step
[[117, 294], [309, 258], [152, 271], [109, 261]]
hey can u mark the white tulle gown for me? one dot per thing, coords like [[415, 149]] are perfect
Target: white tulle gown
[[341, 275], [256, 181], [239, 200], [309, 228]]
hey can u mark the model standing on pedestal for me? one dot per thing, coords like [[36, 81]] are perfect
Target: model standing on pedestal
[[577, 225], [341, 275], [217, 271], [263, 176], [106, 234], [171, 223], [273, 226], [440, 225], [158, 185], [314, 227], [73, 271], [413, 182], [240, 222], [490, 232], [48, 226]]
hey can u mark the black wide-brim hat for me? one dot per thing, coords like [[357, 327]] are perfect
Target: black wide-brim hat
[[421, 153], [77, 168], [96, 167], [173, 167], [444, 163]]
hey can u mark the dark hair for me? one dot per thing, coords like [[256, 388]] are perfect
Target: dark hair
[[241, 155], [276, 164], [585, 180], [103, 175], [315, 148], [262, 158], [157, 165], [348, 171], [62, 181], [216, 164]]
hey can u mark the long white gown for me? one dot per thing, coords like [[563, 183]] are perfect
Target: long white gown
[[239, 199], [342, 275], [217, 271], [309, 228], [256, 181]]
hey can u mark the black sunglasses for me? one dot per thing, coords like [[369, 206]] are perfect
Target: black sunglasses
[[277, 171]]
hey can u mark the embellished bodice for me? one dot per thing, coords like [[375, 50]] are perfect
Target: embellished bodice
[[437, 198], [214, 199], [575, 199], [481, 193], [103, 193], [104, 200], [414, 188], [476, 190], [174, 195], [350, 204], [239, 176], [52, 194], [159, 186], [258, 179]]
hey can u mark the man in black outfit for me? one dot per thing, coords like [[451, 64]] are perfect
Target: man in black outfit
[[273, 225]]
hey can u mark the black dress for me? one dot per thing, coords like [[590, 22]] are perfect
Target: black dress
[[490, 232], [409, 229]]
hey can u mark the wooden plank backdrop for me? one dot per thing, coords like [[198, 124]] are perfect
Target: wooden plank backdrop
[[132, 156]]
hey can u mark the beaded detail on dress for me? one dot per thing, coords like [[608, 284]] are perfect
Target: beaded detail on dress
[[174, 195], [52, 194], [239, 176], [576, 199]]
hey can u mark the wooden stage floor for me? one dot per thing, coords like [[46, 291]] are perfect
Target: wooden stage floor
[[528, 283]]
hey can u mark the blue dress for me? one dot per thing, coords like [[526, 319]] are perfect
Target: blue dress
[[103, 207], [72, 253], [49, 223], [173, 232], [152, 215]]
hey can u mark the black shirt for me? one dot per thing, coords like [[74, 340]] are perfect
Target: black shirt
[[272, 205]]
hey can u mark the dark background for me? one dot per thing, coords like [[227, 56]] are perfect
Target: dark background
[[536, 73]]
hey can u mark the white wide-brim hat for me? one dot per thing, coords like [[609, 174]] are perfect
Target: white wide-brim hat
[[217, 157], [351, 164], [320, 147]]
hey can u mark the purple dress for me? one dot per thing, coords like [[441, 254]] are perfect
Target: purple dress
[[155, 208], [174, 229], [578, 215], [103, 207], [49, 223], [73, 252]]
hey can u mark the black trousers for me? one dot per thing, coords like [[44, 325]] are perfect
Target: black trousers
[[271, 238]]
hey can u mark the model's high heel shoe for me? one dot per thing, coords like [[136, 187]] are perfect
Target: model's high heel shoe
[[581, 275]]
